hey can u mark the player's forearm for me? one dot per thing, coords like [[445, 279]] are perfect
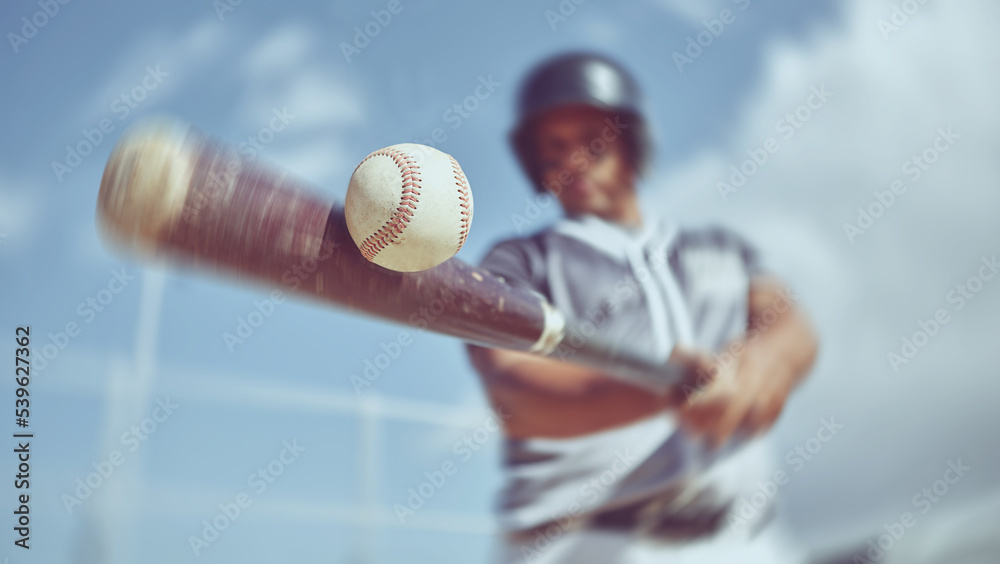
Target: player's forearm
[[536, 373], [542, 397], [532, 413], [785, 346]]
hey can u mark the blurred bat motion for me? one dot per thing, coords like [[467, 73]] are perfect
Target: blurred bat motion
[[170, 191]]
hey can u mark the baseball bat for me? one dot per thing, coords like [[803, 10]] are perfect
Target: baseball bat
[[170, 191]]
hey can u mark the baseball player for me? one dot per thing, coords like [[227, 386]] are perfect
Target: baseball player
[[598, 470]]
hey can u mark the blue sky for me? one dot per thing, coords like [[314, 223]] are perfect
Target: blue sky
[[161, 336]]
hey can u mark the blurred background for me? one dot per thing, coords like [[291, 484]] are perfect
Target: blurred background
[[909, 103]]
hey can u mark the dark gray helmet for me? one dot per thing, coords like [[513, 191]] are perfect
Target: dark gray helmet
[[580, 78]]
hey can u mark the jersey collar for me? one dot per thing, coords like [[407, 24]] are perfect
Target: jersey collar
[[611, 238]]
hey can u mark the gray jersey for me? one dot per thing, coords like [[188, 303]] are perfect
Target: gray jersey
[[650, 288]]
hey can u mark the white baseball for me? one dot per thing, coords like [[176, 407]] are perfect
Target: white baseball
[[408, 207]]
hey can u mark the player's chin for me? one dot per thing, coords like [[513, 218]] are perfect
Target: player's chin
[[589, 203]]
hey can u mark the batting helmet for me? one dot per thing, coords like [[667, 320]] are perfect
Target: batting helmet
[[580, 78]]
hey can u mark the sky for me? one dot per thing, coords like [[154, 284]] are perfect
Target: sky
[[867, 111]]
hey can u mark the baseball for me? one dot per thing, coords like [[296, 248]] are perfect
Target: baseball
[[408, 207]]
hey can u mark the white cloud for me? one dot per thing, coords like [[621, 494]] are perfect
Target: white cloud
[[283, 47], [967, 535], [891, 97], [324, 99], [287, 70], [321, 161], [889, 100], [182, 56]]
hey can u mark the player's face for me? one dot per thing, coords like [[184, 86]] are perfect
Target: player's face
[[582, 160]]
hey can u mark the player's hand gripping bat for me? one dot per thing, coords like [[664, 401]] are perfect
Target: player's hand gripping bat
[[168, 190]]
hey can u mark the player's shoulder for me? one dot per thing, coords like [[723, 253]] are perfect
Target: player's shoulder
[[521, 245], [524, 259], [534, 241], [518, 260]]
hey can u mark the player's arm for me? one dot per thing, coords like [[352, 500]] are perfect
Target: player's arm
[[785, 339], [777, 351], [542, 396], [545, 397]]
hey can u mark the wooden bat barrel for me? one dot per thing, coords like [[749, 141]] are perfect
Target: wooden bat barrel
[[171, 191]]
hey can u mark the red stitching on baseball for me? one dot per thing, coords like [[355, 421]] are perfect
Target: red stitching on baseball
[[464, 196], [393, 228]]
